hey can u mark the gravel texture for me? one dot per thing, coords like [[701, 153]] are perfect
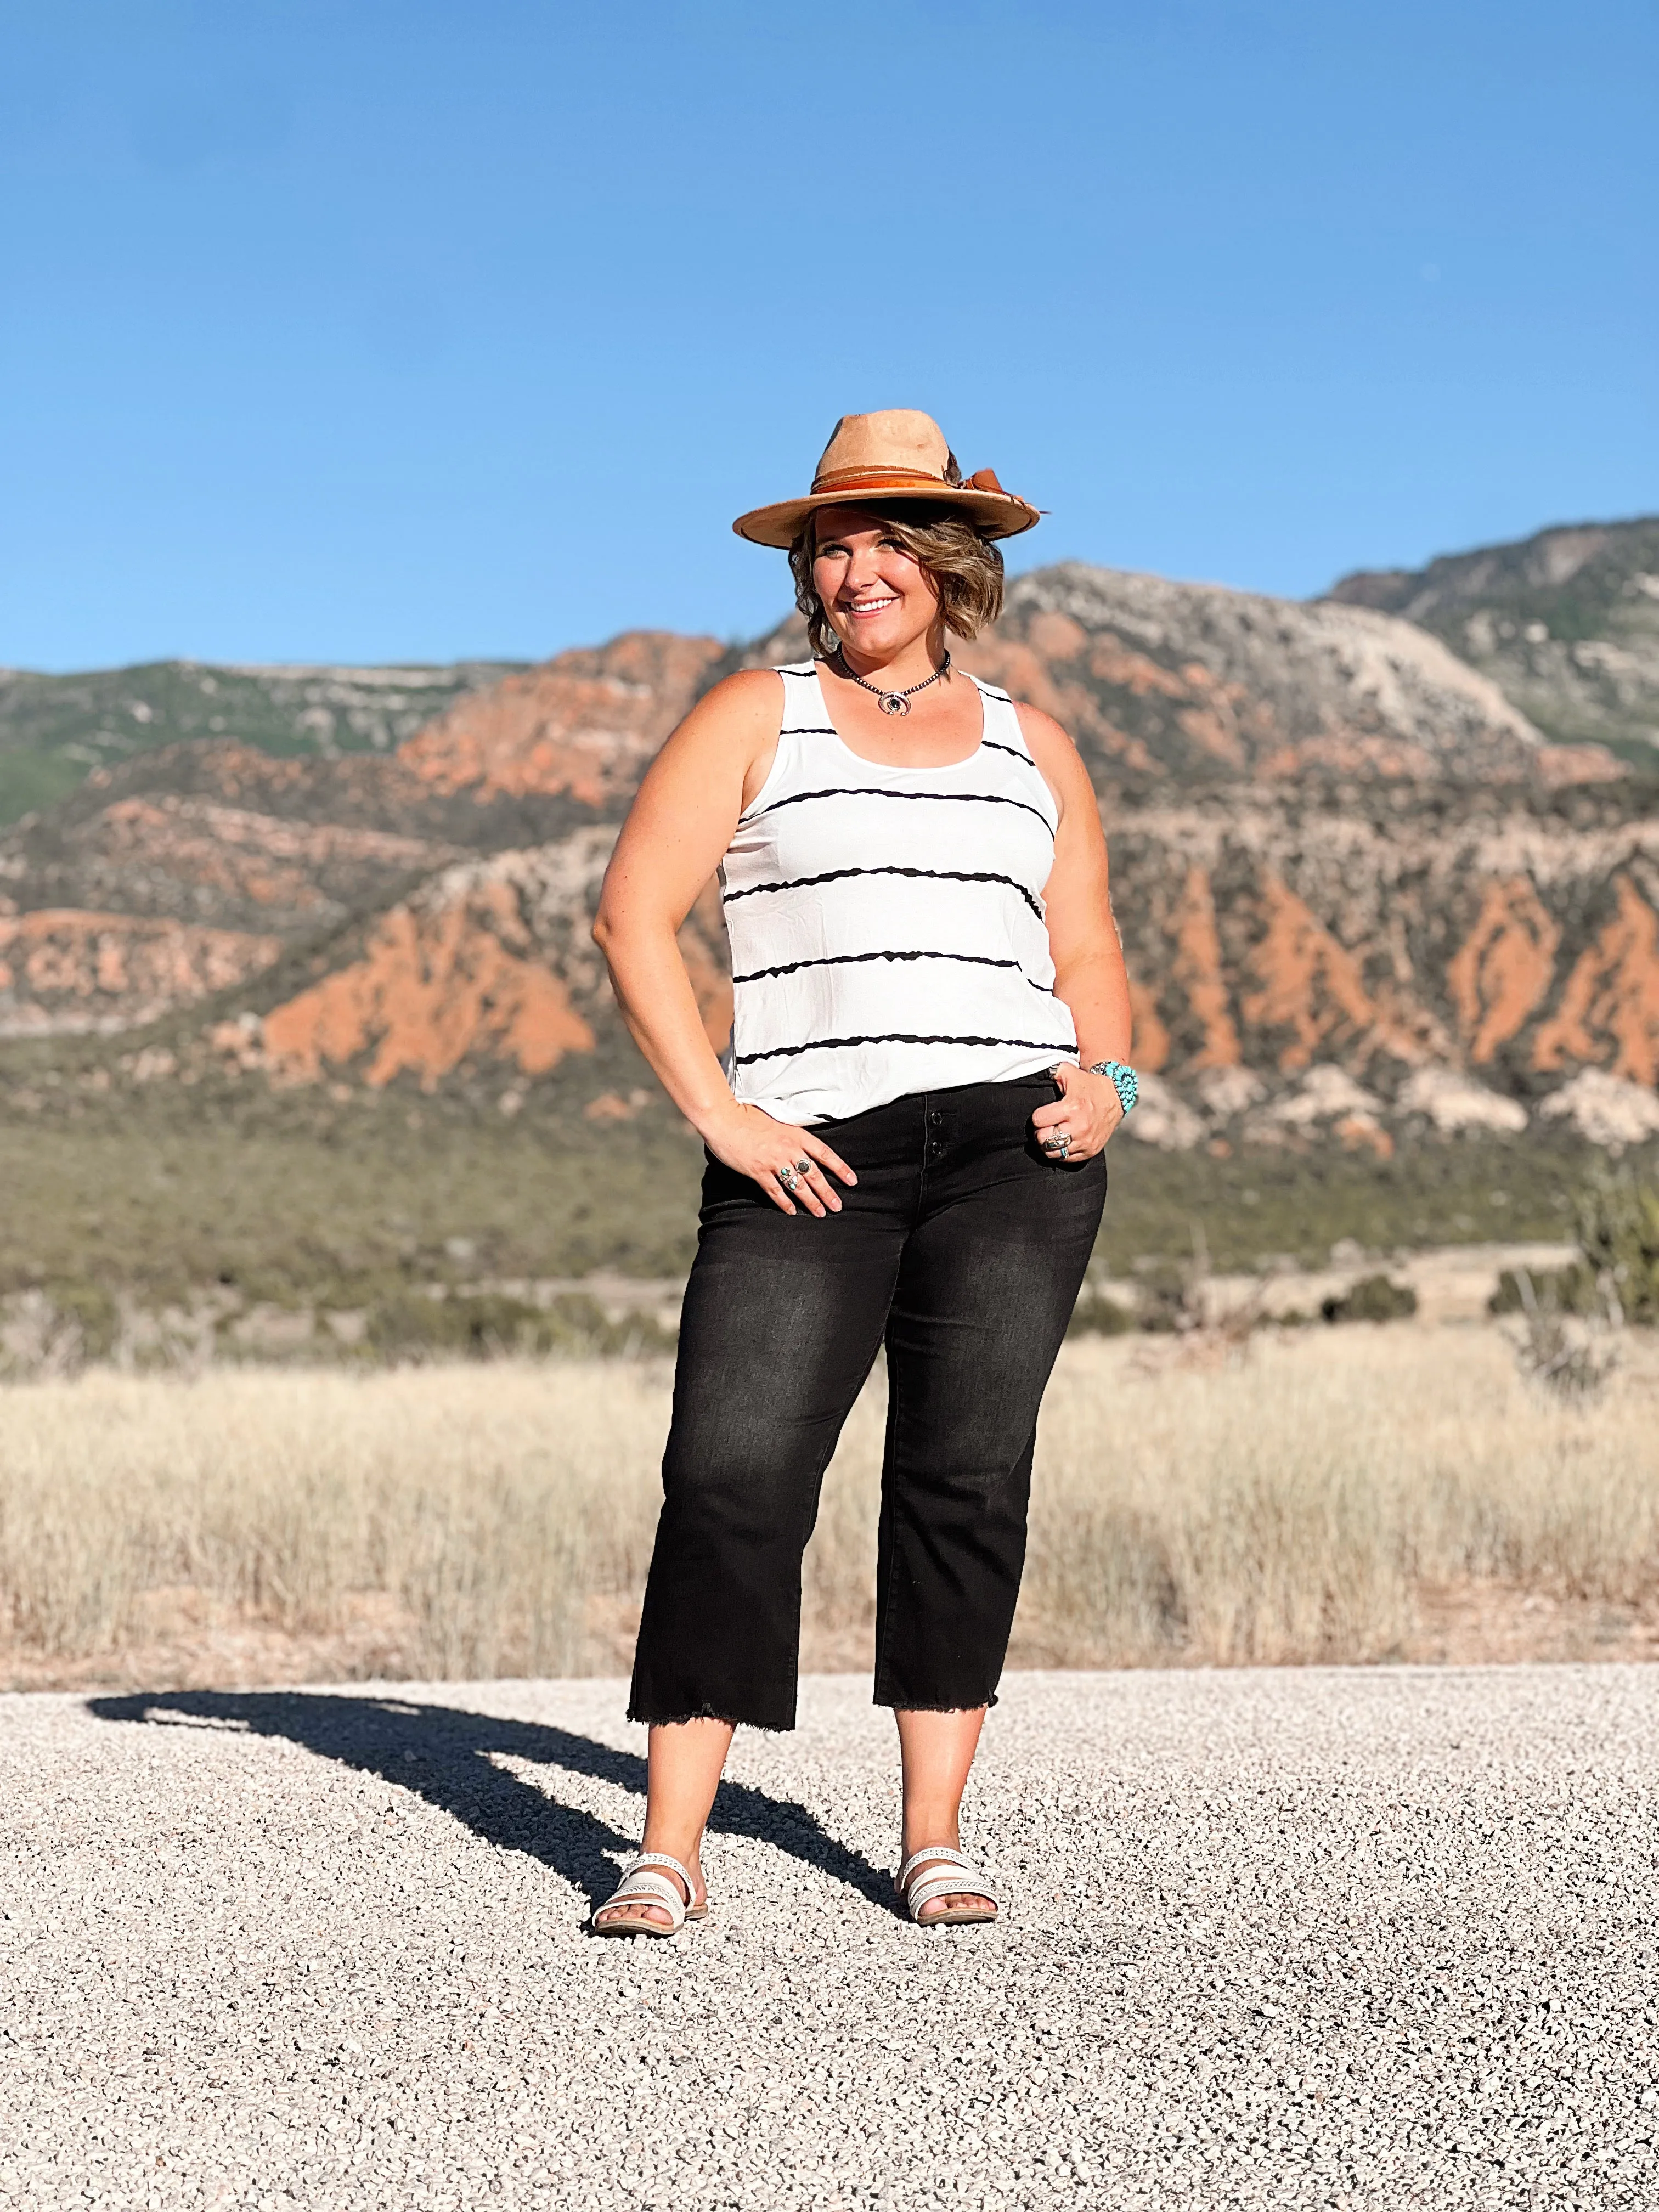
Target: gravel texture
[[1380, 1938]]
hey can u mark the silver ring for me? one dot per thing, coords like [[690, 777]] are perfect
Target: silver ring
[[804, 1167], [788, 1178], [1061, 1142]]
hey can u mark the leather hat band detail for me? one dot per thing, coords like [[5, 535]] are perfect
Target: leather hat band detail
[[876, 480], [897, 453]]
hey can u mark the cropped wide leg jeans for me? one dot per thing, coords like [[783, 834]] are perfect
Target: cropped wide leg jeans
[[962, 1249]]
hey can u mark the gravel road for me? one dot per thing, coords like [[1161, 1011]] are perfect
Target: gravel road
[[1371, 1938]]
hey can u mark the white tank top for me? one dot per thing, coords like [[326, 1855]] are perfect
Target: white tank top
[[887, 923]]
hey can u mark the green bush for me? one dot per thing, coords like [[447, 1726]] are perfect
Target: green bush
[[1619, 1230], [1373, 1298], [1618, 1276]]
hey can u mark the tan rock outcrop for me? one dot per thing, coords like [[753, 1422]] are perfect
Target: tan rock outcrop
[[585, 724], [63, 971]]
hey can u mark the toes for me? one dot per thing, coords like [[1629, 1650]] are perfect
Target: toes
[[654, 1913], [960, 1900]]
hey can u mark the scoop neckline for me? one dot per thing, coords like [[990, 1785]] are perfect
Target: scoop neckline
[[901, 768]]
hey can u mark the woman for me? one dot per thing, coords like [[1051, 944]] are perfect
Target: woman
[[927, 1062]]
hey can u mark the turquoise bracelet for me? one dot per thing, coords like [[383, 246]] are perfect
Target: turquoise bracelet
[[1124, 1081]]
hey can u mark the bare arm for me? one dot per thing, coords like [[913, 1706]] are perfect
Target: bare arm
[[1090, 976], [676, 831]]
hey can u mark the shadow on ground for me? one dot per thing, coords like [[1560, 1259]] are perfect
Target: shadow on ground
[[450, 1758]]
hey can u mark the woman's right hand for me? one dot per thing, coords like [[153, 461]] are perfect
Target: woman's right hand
[[749, 1141]]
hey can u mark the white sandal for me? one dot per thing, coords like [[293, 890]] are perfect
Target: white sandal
[[966, 1881], [640, 1887]]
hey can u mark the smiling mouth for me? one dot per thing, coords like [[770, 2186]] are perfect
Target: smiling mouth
[[872, 606]]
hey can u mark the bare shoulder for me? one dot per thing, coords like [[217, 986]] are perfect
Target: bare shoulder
[[749, 687], [750, 700], [735, 717], [1047, 741], [1057, 757]]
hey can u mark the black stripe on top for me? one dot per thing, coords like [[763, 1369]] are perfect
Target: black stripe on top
[[995, 746], [937, 875], [879, 791], [896, 1036], [852, 959], [849, 959]]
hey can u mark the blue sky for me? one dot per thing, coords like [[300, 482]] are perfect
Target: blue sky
[[371, 330]]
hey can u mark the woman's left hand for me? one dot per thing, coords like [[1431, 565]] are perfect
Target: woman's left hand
[[1086, 1115]]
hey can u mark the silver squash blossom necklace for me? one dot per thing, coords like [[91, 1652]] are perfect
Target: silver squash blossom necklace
[[895, 702]]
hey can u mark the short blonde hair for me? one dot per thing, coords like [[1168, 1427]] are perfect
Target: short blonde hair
[[965, 567]]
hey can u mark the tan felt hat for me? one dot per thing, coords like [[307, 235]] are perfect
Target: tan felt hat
[[897, 453]]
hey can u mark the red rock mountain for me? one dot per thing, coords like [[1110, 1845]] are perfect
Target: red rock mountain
[[1354, 882]]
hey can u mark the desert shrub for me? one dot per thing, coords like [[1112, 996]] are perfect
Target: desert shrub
[[1566, 1355], [412, 1325], [1619, 1230], [95, 1314], [1572, 1289], [1617, 1280], [1097, 1313], [1373, 1298], [1172, 1292]]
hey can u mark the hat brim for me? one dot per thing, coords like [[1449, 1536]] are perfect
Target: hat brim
[[998, 514]]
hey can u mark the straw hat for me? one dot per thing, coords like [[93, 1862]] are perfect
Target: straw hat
[[897, 453]]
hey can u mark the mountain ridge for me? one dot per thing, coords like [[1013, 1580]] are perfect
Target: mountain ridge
[[1364, 896], [1566, 622]]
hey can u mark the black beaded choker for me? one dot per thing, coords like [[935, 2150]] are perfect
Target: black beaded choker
[[892, 702]]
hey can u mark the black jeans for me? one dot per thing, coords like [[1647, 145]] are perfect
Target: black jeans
[[963, 1246]]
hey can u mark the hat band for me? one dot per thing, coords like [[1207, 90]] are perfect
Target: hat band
[[878, 480]]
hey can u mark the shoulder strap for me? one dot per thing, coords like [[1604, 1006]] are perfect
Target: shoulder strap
[[803, 707], [1002, 720]]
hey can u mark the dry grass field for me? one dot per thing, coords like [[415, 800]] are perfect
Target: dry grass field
[[1350, 1495]]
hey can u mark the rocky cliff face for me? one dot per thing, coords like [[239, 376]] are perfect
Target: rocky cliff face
[[1360, 892], [1183, 681], [1503, 943], [1566, 624]]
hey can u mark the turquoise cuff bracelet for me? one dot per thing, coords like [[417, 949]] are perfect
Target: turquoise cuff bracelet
[[1124, 1081]]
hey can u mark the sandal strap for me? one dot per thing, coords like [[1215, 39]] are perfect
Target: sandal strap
[[928, 1875], [661, 1859], [966, 1884], [922, 1858], [640, 1887]]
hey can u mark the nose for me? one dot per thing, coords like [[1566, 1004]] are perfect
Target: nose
[[863, 568]]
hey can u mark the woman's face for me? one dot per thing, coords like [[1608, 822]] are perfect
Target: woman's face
[[878, 598]]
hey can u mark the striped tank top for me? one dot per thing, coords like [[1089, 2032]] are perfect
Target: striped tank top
[[887, 923]]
